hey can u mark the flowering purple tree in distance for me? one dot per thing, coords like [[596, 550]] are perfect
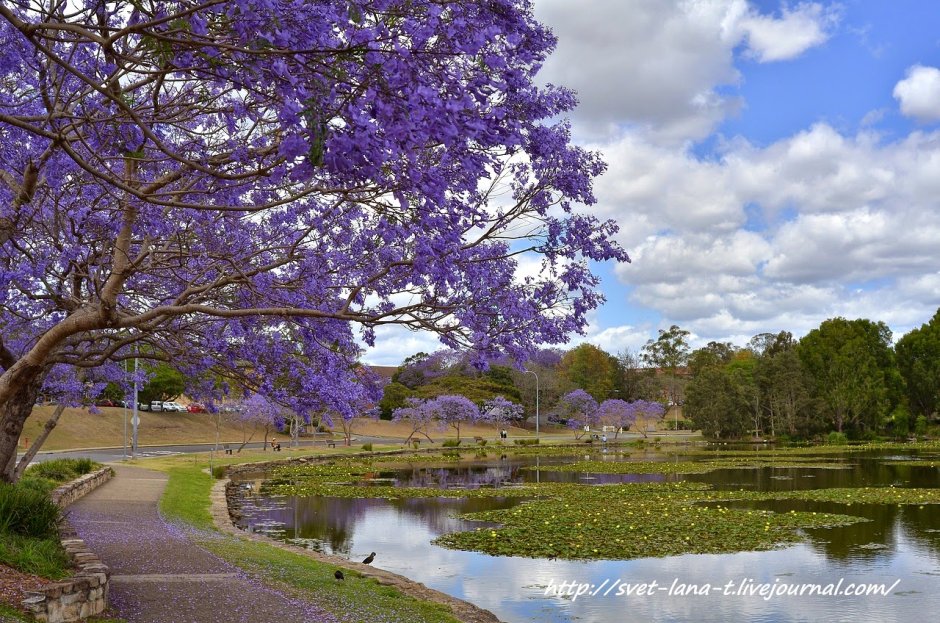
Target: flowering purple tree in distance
[[452, 411], [578, 410], [650, 411], [500, 412], [617, 413], [418, 416], [257, 411], [239, 186]]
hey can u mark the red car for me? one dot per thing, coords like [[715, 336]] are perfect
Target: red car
[[196, 408]]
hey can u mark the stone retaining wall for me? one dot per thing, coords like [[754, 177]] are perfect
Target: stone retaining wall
[[84, 594], [80, 487]]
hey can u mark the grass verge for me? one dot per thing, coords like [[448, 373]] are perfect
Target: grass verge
[[186, 501]]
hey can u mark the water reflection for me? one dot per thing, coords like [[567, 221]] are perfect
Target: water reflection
[[898, 543]]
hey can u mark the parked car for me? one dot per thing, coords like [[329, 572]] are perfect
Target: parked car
[[156, 405], [196, 408], [174, 406], [105, 403]]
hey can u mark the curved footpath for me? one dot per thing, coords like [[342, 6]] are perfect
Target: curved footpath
[[158, 574]]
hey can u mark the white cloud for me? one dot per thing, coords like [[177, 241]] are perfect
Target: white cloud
[[394, 343], [657, 66], [771, 39], [919, 93], [616, 339], [844, 224]]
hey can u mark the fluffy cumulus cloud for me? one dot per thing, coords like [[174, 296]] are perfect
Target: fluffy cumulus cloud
[[848, 226], [658, 66], [797, 30], [919, 93]]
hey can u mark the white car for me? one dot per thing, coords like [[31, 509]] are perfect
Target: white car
[[174, 406]]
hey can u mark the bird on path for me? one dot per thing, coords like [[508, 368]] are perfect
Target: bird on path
[[339, 575], [369, 559]]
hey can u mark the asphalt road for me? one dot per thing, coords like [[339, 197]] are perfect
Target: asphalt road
[[107, 455]]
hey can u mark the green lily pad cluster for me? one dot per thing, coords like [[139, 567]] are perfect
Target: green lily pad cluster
[[633, 521], [863, 495], [684, 467]]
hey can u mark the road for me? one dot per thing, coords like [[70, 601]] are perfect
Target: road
[[107, 455]]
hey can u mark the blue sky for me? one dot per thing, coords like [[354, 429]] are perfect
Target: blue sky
[[771, 164]]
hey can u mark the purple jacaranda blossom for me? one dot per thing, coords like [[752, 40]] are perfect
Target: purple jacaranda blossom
[[239, 187]]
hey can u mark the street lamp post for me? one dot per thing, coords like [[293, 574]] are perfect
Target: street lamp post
[[536, 401]]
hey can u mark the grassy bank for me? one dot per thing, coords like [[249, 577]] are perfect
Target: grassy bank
[[186, 501]]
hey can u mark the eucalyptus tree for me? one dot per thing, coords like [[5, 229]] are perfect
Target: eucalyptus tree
[[246, 184], [669, 353], [851, 372], [918, 356]]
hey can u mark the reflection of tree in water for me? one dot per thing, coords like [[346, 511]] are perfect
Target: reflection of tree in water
[[329, 524], [462, 476], [921, 524], [440, 514]]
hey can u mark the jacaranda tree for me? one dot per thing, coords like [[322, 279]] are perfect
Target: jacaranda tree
[[233, 185]]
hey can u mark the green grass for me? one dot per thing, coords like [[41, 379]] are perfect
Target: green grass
[[11, 615], [42, 557], [186, 500]]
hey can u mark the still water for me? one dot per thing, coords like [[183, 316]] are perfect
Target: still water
[[900, 544]]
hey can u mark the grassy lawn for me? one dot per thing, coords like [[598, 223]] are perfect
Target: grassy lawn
[[186, 501]]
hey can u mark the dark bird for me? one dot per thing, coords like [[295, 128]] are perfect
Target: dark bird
[[339, 575], [369, 559]]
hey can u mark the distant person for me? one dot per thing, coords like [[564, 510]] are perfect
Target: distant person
[[604, 438]]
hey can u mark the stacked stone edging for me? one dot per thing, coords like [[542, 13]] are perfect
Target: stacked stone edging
[[85, 594], [80, 487]]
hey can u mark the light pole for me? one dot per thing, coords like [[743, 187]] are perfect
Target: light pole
[[536, 401], [135, 420]]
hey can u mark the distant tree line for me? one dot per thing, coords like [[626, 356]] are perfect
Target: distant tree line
[[845, 376]]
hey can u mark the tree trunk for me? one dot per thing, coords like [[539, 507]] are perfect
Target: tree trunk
[[37, 444], [13, 414]]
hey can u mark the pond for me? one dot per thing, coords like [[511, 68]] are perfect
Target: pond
[[898, 544]]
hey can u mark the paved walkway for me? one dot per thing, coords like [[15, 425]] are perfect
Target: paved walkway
[[158, 575]]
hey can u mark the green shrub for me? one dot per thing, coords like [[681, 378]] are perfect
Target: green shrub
[[901, 421], [37, 483], [837, 439], [451, 443], [526, 442], [367, 447], [218, 472], [482, 442], [920, 425], [416, 443], [27, 512], [62, 470]]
